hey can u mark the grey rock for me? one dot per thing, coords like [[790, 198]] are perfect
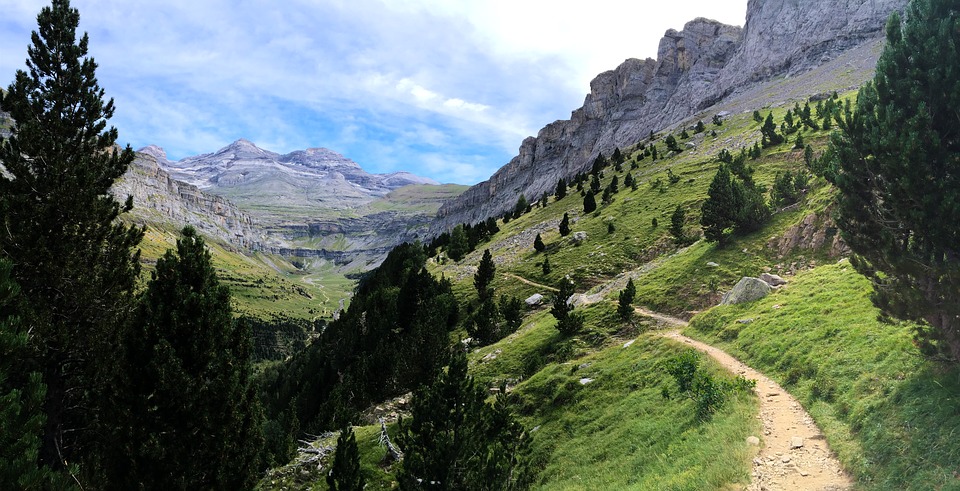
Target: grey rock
[[796, 442], [744, 321], [752, 440], [773, 280], [746, 290], [534, 300], [578, 238], [713, 264], [696, 68]]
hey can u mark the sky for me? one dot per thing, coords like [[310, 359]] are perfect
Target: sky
[[446, 89]]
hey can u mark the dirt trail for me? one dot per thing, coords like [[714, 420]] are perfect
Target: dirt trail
[[793, 454], [531, 283]]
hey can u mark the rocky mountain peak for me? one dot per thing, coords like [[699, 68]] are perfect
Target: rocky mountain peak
[[319, 158], [154, 151]]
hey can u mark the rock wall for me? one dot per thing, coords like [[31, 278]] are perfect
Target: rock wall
[[158, 197], [705, 63]]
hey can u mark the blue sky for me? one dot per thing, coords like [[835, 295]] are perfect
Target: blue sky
[[443, 89]]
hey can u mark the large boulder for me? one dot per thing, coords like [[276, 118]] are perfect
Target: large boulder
[[747, 290], [534, 300]]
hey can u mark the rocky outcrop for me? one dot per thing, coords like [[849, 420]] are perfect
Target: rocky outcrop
[[696, 68], [158, 197], [746, 290]]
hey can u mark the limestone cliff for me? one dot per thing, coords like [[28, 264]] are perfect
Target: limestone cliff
[[158, 198], [696, 68]]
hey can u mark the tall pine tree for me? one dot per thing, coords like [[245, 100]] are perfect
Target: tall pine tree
[[345, 473], [74, 261], [193, 418], [896, 161]]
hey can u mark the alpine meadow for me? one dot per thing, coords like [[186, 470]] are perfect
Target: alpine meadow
[[734, 267]]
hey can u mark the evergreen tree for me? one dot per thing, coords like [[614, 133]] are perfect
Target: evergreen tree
[[653, 152], [700, 128], [625, 301], [717, 120], [594, 183], [565, 225], [628, 181], [459, 244], [454, 440], [753, 210], [193, 418], [345, 473], [561, 189], [21, 403], [589, 202], [521, 207], [568, 322], [73, 260], [617, 157], [716, 212], [545, 267], [770, 137], [896, 162], [757, 117], [483, 278], [672, 144], [677, 221], [798, 144], [538, 244]]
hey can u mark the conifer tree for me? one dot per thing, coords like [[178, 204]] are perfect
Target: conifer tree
[[625, 301], [73, 260], [459, 245], [193, 418], [568, 322], [561, 189], [538, 244], [677, 221], [454, 440], [545, 267], [565, 225], [345, 472], [589, 202], [483, 278], [716, 212], [896, 161]]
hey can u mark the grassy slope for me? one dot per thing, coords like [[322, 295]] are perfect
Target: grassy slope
[[890, 415]]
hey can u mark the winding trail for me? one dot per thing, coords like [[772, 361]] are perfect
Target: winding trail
[[793, 454]]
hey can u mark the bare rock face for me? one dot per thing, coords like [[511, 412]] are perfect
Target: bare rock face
[[696, 68], [156, 192]]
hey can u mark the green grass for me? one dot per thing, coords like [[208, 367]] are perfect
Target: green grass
[[892, 417]]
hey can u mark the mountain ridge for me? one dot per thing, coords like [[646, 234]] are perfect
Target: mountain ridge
[[703, 65]]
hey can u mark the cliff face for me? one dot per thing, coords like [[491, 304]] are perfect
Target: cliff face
[[704, 64], [159, 198]]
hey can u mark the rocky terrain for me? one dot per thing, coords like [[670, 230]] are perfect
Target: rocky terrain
[[705, 64], [313, 202]]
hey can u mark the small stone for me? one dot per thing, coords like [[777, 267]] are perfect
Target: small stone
[[585, 381], [796, 442], [804, 473], [629, 343], [713, 264], [744, 321], [752, 440], [785, 459]]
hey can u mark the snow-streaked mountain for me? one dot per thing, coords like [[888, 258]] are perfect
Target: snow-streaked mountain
[[250, 175]]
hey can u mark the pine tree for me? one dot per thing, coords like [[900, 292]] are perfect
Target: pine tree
[[561, 189], [595, 183], [193, 417], [628, 181], [74, 261], [672, 144], [521, 207], [625, 301], [545, 267], [717, 120], [459, 245], [589, 202], [716, 212], [483, 278], [896, 162], [677, 221], [700, 128], [770, 137], [565, 225], [345, 472], [454, 440], [538, 244], [799, 144], [568, 322], [21, 402]]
